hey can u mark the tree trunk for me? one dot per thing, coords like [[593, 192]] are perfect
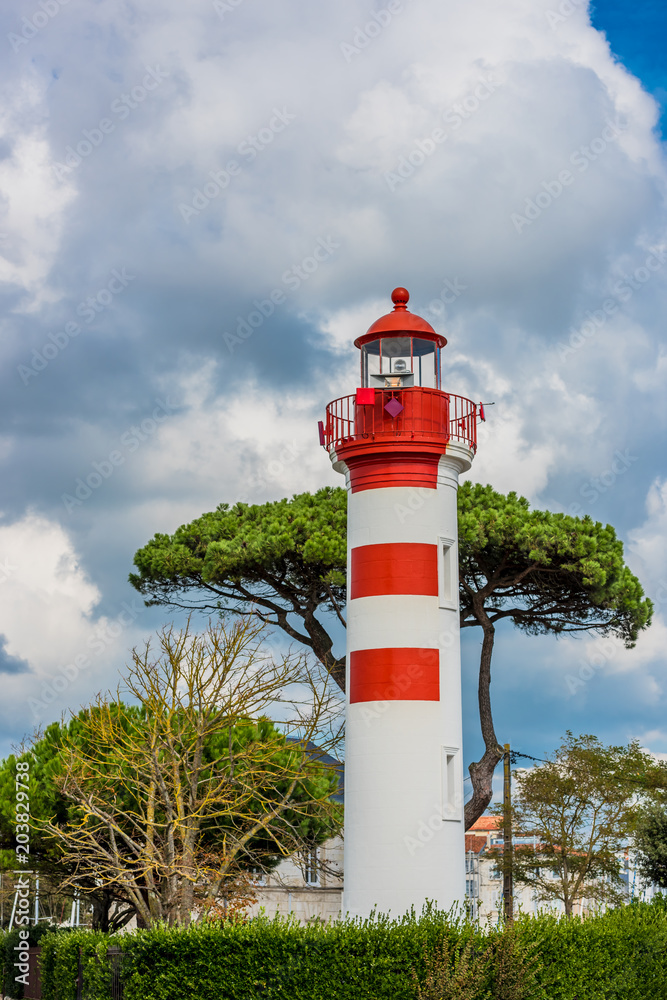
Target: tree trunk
[[101, 902], [336, 669], [481, 772], [321, 644]]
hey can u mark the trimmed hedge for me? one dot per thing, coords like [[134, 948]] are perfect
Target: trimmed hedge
[[60, 965], [285, 960], [620, 955]]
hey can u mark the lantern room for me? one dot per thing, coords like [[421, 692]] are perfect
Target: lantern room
[[400, 400], [400, 350]]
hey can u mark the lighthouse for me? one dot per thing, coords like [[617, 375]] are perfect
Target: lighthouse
[[402, 441]]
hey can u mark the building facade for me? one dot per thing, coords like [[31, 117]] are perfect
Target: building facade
[[308, 886], [311, 888]]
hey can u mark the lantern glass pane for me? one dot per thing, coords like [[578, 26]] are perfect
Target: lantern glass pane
[[425, 363], [370, 361], [416, 359]]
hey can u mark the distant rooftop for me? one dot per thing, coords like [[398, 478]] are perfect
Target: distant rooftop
[[486, 823]]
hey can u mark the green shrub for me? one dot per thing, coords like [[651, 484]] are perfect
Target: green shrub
[[506, 968], [621, 955], [369, 960], [59, 963], [514, 965]]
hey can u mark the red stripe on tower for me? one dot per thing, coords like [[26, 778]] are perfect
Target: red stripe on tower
[[394, 568], [398, 674], [374, 472]]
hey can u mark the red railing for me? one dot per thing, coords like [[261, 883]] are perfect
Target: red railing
[[426, 415]]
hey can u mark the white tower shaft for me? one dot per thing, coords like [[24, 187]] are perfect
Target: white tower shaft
[[404, 830]]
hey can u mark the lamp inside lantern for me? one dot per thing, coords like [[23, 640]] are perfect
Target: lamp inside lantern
[[399, 362]]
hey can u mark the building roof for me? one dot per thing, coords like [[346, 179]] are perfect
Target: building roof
[[486, 823], [474, 843]]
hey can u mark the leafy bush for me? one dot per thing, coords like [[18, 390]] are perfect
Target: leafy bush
[[369, 960], [60, 965], [506, 968], [620, 955], [457, 973]]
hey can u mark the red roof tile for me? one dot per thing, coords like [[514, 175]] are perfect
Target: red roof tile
[[475, 844], [486, 823]]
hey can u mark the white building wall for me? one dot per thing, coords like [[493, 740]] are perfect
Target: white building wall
[[285, 891]]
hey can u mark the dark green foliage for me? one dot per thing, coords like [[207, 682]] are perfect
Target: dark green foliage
[[282, 561], [651, 843], [548, 573], [515, 965], [621, 955], [300, 544], [504, 967], [60, 965], [279, 959]]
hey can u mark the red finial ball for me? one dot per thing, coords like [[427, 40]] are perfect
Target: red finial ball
[[400, 297]]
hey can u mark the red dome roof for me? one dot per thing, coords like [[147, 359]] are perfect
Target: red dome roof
[[400, 322]]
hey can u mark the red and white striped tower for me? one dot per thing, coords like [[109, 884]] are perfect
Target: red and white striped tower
[[402, 442]]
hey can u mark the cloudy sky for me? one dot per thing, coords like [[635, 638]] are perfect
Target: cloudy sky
[[166, 167]]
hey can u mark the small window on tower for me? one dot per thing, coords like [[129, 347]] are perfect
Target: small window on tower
[[448, 575], [452, 799]]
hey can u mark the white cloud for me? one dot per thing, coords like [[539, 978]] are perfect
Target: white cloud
[[647, 545], [32, 216], [240, 432], [48, 617], [339, 328], [47, 600]]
